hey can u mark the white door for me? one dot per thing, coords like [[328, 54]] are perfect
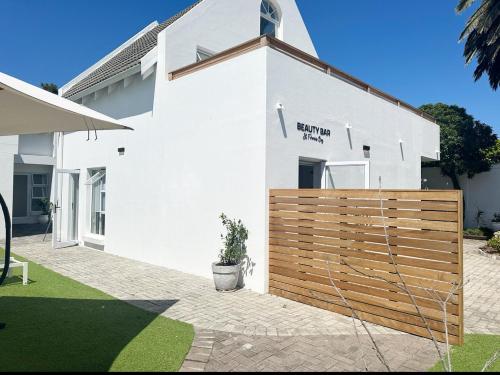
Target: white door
[[66, 192], [347, 175]]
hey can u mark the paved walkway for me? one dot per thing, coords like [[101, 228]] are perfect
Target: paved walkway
[[248, 331]]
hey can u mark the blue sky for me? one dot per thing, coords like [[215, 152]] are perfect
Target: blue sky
[[406, 48]]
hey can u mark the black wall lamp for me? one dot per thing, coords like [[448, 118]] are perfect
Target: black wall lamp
[[366, 150]]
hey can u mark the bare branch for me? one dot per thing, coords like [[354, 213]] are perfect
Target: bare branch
[[379, 353], [403, 282], [491, 361]]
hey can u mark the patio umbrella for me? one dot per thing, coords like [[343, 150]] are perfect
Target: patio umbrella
[[26, 109]]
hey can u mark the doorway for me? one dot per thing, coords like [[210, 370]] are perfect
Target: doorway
[[67, 188], [310, 173]]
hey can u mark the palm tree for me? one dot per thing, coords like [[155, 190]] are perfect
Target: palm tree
[[483, 39]]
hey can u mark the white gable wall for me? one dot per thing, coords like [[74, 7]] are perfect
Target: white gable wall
[[218, 25]]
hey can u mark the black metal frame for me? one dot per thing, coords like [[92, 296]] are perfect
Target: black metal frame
[[8, 234]]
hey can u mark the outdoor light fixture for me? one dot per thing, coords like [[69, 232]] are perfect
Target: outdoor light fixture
[[280, 107], [366, 151], [401, 141], [348, 126]]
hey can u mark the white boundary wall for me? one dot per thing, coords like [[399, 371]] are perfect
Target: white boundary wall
[[482, 192]]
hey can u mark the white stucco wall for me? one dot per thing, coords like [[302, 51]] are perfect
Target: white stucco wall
[[164, 197], [214, 162], [36, 144], [218, 25], [130, 178], [310, 96], [482, 192], [8, 147]]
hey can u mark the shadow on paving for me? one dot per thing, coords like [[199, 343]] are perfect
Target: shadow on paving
[[51, 334], [27, 230]]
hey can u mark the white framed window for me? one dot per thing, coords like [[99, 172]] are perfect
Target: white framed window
[[269, 19], [39, 191], [97, 183], [347, 175], [203, 54]]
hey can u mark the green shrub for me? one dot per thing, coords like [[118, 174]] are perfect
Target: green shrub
[[480, 232], [494, 243], [235, 249]]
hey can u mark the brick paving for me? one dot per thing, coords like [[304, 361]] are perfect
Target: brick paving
[[241, 353], [248, 331]]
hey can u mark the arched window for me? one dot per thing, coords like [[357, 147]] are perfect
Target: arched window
[[269, 19]]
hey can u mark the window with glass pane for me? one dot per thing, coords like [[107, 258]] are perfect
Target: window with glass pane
[[39, 191], [269, 19], [345, 177], [98, 208], [202, 55]]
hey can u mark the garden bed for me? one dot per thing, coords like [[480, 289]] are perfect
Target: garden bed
[[481, 234]]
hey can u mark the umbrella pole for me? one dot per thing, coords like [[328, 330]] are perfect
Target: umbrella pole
[[8, 227]]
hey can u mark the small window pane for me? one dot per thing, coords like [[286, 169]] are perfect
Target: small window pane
[[39, 179], [36, 205], [103, 201], [345, 177], [267, 27], [39, 192], [202, 55], [98, 186]]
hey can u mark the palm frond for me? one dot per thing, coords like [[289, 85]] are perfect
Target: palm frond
[[463, 5], [478, 20], [482, 32]]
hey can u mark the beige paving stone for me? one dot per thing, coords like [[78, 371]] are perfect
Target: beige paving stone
[[245, 330]]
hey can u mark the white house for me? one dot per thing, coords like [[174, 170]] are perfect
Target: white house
[[27, 163], [222, 113]]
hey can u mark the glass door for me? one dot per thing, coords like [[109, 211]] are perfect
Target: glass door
[[66, 192], [347, 175]]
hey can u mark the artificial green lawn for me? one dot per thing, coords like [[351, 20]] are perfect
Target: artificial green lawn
[[58, 324], [477, 350]]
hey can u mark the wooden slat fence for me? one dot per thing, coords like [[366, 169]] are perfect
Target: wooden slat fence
[[316, 236]]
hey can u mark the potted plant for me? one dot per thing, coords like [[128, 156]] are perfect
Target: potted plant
[[227, 270], [495, 223], [46, 205]]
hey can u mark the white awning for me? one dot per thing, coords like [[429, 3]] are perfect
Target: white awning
[[26, 109]]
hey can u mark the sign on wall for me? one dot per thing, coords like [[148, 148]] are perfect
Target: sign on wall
[[313, 133]]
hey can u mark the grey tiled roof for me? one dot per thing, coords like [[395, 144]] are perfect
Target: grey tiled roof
[[127, 58]]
